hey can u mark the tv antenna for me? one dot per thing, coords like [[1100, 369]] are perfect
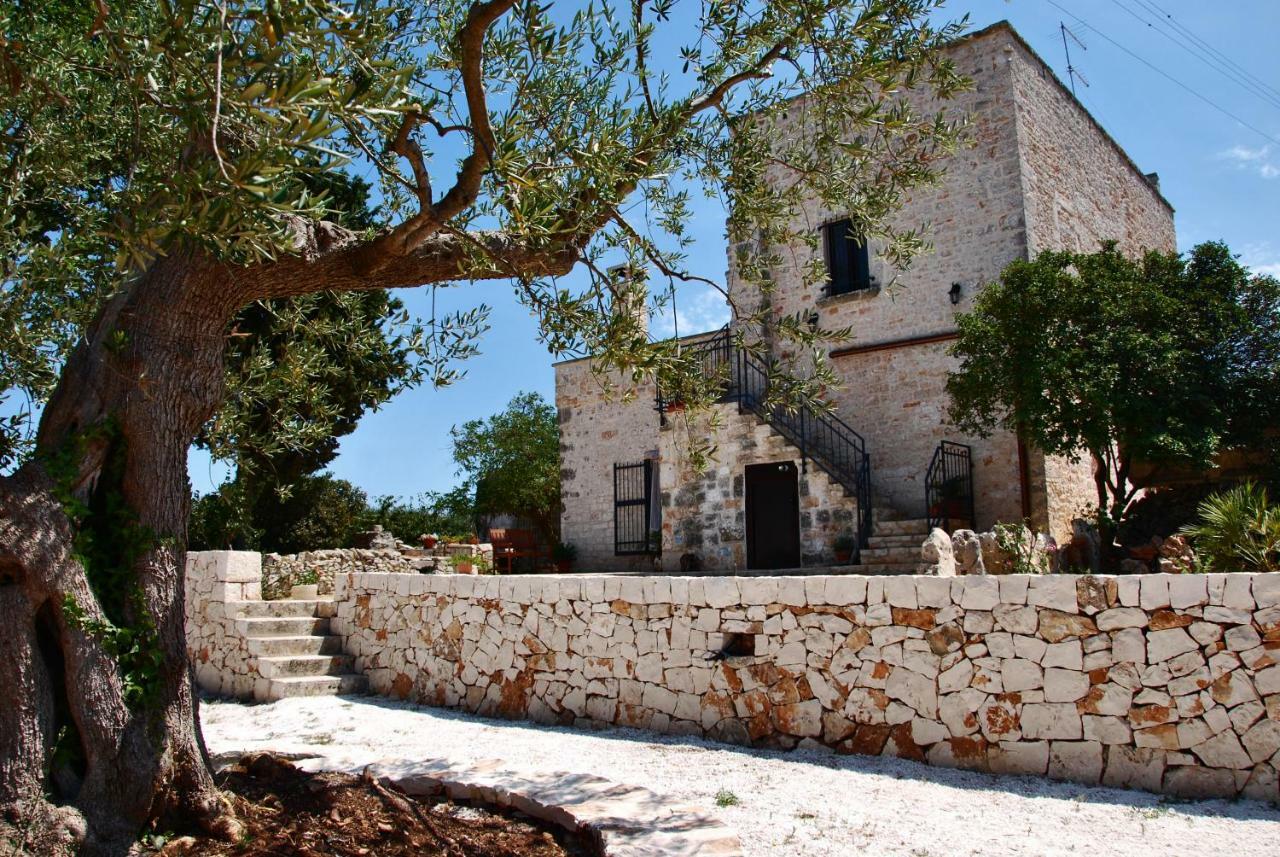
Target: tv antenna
[[1072, 71]]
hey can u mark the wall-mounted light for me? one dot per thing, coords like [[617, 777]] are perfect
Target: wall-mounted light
[[813, 319], [954, 294]]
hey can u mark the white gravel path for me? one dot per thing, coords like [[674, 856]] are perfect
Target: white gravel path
[[801, 803]]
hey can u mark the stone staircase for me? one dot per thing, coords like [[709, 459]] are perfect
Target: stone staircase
[[296, 654], [894, 546]]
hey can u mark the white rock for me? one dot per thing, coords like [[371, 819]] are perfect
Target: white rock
[[1121, 617], [1064, 685], [1055, 720], [1163, 645], [1223, 751], [1020, 674], [1055, 591]]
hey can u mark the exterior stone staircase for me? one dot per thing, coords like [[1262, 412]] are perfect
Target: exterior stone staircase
[[894, 546], [296, 654]]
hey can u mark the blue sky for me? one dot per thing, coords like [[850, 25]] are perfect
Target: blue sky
[[1222, 177]]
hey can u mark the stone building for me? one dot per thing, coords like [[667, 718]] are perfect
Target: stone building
[[1042, 174]]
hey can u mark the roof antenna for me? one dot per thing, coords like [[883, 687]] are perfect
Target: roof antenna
[[1072, 71]]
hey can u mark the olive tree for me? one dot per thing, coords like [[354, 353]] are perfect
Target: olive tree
[[157, 156]]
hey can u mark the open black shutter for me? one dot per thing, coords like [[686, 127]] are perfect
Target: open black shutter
[[861, 259], [837, 240]]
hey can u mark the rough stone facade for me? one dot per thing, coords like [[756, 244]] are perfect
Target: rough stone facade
[[1041, 174], [1162, 682], [597, 431], [216, 583], [705, 513]]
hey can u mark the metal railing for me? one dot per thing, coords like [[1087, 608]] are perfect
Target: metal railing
[[948, 485], [821, 437]]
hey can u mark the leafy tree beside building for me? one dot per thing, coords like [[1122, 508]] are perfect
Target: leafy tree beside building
[[1164, 358]]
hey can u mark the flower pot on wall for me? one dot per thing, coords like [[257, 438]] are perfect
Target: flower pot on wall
[[305, 592]]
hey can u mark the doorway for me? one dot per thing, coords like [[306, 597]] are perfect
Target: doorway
[[773, 516]]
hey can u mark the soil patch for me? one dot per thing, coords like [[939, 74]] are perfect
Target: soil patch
[[289, 812]]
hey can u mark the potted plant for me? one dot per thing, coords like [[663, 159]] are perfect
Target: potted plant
[[306, 585], [843, 547], [429, 540], [564, 555], [463, 563]]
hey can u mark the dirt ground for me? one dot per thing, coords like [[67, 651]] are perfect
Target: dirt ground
[[289, 812]]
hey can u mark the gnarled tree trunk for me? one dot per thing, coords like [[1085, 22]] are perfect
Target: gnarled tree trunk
[[84, 753]]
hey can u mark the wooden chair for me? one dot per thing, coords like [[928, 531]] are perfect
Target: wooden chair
[[511, 543]]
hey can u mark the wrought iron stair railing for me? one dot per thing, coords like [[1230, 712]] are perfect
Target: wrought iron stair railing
[[823, 438], [948, 485]]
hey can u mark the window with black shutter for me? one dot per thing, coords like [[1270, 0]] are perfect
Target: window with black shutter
[[848, 260]]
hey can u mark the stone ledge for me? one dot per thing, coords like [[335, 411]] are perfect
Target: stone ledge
[[626, 821]]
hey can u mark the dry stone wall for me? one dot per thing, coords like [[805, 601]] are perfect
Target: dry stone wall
[[279, 572], [217, 585], [1162, 682]]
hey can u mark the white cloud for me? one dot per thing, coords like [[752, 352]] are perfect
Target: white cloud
[[696, 311], [1261, 258], [1252, 159]]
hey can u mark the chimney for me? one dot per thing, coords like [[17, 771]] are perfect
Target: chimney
[[630, 294]]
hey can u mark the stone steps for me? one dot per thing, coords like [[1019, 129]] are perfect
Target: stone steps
[[336, 685], [312, 644], [901, 527], [891, 555], [296, 654], [284, 609], [911, 541], [294, 666], [289, 627]]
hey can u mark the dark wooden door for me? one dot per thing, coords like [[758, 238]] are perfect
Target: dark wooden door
[[773, 516]]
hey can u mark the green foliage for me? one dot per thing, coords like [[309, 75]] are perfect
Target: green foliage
[[306, 577], [448, 513], [513, 459], [319, 512], [1237, 530], [189, 126], [108, 544], [564, 552], [1017, 542], [1120, 359], [843, 542]]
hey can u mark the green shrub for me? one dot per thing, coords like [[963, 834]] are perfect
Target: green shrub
[[1018, 543], [1237, 530]]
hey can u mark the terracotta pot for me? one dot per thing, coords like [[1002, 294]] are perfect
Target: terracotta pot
[[429, 543], [466, 568], [564, 566], [843, 557]]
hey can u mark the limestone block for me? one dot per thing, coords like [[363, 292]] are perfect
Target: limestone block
[[1163, 645], [1020, 674], [1064, 685], [1054, 591], [1262, 740], [1134, 768], [1228, 615], [1188, 590], [1015, 619], [1079, 761], [1106, 730], [1223, 751], [1237, 593], [1054, 720], [980, 593], [1121, 617], [914, 690], [1067, 655], [1266, 590], [900, 591], [959, 711], [1240, 638], [1129, 646], [842, 590], [1019, 757], [1154, 591]]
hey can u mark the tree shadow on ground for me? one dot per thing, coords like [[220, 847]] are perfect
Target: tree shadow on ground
[[1030, 787]]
